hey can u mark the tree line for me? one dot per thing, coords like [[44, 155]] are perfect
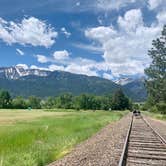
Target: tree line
[[117, 101], [156, 75]]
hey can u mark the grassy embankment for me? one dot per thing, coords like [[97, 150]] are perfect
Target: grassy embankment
[[155, 115], [35, 138]]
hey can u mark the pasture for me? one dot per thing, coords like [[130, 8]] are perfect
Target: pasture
[[36, 138]]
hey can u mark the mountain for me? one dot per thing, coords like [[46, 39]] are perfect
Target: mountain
[[136, 90], [17, 72], [123, 81], [26, 82]]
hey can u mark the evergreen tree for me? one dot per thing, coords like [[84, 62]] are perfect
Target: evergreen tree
[[65, 101], [156, 72], [49, 103], [5, 99], [34, 102], [19, 103], [120, 101]]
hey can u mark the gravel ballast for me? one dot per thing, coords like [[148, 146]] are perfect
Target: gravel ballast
[[102, 149], [158, 125]]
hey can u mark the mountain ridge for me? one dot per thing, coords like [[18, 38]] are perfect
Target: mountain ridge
[[42, 83]]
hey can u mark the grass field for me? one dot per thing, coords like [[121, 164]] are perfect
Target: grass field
[[155, 115], [36, 138]]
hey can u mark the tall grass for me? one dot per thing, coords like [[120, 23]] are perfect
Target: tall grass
[[155, 115], [39, 142]]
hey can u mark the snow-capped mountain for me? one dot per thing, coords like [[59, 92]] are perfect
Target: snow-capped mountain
[[124, 81], [16, 72], [24, 81]]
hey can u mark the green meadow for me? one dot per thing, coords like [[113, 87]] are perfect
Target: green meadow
[[36, 138], [155, 115]]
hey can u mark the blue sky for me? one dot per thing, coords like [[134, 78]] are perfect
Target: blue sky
[[105, 38]]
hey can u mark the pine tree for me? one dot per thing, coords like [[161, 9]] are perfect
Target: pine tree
[[120, 101], [156, 72], [5, 99]]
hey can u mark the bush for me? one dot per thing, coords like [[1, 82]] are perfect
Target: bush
[[161, 107], [145, 107], [154, 109], [136, 106], [19, 103]]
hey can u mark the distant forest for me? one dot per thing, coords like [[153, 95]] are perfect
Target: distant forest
[[117, 101]]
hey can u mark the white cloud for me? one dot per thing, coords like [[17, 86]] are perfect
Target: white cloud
[[39, 68], [80, 69], [56, 67], [153, 4], [112, 4], [88, 47], [30, 31], [131, 20], [24, 66], [19, 51], [161, 17], [100, 33], [42, 58], [61, 55], [64, 31], [78, 4], [62, 61], [125, 49], [107, 76]]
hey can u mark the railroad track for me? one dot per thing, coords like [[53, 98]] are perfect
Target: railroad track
[[143, 145]]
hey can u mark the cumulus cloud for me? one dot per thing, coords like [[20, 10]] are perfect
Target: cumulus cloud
[[19, 51], [61, 60], [125, 48], [31, 31], [161, 17], [112, 4], [78, 4], [100, 33], [24, 66], [42, 58], [81, 69], [107, 76], [153, 4], [57, 57], [54, 67], [131, 21], [64, 31], [61, 55], [93, 48], [39, 68]]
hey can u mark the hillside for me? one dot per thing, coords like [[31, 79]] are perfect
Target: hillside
[[27, 82], [136, 90], [56, 83]]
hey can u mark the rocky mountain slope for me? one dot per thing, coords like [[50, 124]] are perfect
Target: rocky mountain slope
[[26, 82]]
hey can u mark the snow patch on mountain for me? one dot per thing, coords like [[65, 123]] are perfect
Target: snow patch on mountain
[[124, 81], [19, 71]]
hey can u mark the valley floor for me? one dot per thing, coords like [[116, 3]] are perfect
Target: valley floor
[[37, 138], [105, 147], [102, 149]]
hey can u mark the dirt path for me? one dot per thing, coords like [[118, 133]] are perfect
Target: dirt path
[[102, 149]]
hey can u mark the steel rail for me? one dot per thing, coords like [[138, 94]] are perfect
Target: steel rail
[[155, 132], [122, 160]]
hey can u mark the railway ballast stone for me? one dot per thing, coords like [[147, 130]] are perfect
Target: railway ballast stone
[[158, 125], [102, 149]]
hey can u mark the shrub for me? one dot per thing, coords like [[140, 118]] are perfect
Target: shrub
[[161, 107], [145, 107], [154, 109]]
